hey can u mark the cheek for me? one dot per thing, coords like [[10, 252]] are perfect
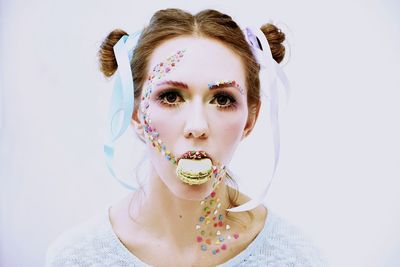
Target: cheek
[[228, 131], [166, 123]]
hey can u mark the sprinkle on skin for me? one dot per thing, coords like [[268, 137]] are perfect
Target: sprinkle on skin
[[224, 84], [218, 238], [159, 72]]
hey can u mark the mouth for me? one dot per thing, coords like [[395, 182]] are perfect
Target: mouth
[[194, 167], [194, 154]]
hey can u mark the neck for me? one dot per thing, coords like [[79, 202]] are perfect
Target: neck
[[175, 220]]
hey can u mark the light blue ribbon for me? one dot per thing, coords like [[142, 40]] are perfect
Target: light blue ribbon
[[122, 102]]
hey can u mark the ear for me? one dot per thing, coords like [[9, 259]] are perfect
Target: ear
[[251, 120], [137, 125]]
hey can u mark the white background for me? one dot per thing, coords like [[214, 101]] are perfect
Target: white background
[[338, 179]]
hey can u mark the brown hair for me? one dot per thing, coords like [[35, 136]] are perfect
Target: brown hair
[[170, 23]]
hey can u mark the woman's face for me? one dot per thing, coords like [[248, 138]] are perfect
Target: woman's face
[[194, 99]]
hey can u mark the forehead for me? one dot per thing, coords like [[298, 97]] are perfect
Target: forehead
[[205, 60]]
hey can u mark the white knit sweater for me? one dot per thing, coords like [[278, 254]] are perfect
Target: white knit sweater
[[95, 244]]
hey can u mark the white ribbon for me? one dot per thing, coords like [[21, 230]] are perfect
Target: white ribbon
[[270, 72]]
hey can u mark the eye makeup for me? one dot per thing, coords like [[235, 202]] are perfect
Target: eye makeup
[[172, 97], [169, 97]]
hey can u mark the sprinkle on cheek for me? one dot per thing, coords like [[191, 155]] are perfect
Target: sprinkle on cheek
[[158, 72]]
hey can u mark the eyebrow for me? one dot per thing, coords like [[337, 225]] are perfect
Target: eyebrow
[[174, 83], [211, 86], [224, 84]]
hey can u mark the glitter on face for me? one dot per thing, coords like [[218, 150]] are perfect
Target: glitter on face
[[223, 84]]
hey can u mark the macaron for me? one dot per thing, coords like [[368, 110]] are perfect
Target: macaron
[[194, 171]]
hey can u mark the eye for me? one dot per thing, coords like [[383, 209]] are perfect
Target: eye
[[170, 98], [224, 100]]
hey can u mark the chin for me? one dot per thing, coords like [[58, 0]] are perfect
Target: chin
[[192, 192]]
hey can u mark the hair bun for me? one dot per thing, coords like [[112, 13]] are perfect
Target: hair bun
[[108, 63], [275, 39]]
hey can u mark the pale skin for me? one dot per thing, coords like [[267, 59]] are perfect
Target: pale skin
[[157, 224]]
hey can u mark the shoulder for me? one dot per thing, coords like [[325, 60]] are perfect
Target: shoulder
[[286, 245], [84, 244]]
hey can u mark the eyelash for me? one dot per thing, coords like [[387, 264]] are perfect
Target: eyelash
[[161, 99]]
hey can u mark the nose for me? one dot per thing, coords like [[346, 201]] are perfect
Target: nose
[[196, 123]]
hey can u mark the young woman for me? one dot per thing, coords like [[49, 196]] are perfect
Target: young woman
[[194, 89]]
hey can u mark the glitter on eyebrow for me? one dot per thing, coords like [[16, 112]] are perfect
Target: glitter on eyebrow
[[223, 84]]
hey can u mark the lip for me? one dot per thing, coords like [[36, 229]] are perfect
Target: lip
[[195, 154]]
